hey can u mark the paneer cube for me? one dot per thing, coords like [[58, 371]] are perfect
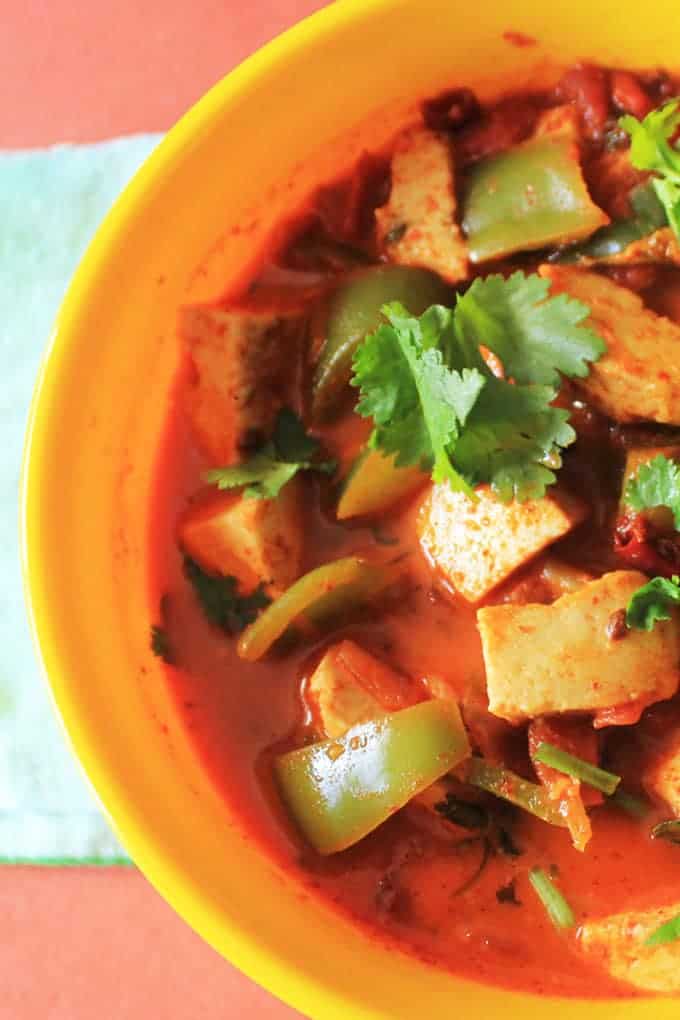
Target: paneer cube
[[477, 544], [254, 540], [565, 657], [243, 362], [418, 225], [351, 686], [639, 376], [618, 944]]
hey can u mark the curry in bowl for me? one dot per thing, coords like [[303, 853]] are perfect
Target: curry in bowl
[[417, 538]]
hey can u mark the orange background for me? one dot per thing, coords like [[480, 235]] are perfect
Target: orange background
[[99, 944]]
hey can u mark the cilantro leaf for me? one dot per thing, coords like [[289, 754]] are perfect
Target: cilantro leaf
[[512, 440], [418, 404], [263, 476], [221, 601], [656, 483], [434, 401], [653, 602], [651, 148], [536, 337], [290, 450]]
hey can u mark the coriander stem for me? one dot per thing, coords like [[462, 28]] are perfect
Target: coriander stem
[[508, 786], [558, 909], [577, 768]]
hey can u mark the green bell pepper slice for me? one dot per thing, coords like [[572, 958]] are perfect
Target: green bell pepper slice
[[374, 484], [354, 311], [338, 791], [318, 596], [648, 215], [528, 197]]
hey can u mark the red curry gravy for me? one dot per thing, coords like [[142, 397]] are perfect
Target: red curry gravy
[[450, 898]]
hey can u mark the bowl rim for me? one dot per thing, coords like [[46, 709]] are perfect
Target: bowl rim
[[185, 895], [196, 908]]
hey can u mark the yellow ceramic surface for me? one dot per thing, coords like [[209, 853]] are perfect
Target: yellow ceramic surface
[[99, 405]]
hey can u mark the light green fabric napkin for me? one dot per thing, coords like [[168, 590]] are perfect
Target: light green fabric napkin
[[51, 202]]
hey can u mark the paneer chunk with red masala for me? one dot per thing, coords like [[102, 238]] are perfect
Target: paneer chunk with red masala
[[475, 544], [617, 943], [351, 686], [418, 226], [639, 376], [254, 540], [243, 366], [566, 657]]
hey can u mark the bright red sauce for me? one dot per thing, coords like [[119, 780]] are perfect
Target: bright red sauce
[[403, 882]]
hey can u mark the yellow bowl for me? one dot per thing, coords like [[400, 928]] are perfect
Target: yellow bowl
[[243, 155]]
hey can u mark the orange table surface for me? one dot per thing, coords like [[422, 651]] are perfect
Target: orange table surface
[[80, 944]]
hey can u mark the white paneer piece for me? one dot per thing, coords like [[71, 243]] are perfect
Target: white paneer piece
[[241, 360], [618, 944], [639, 376], [477, 544], [351, 686], [254, 540], [564, 657], [417, 226]]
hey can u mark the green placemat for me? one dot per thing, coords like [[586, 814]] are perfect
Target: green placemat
[[51, 202]]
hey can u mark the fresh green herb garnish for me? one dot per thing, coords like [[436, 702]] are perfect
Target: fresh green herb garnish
[[585, 771], [668, 932], [221, 601], [558, 909], [290, 450], [656, 483], [537, 337], [417, 399], [435, 403], [160, 643], [669, 830], [652, 148], [653, 602]]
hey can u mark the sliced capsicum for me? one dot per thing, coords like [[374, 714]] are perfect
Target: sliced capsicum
[[375, 483], [339, 790], [528, 197], [354, 311], [319, 595], [647, 216]]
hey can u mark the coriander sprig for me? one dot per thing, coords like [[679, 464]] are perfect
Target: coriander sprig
[[435, 402], [653, 147]]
